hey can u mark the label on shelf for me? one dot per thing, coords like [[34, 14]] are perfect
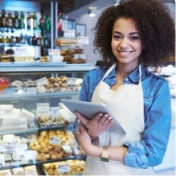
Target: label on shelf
[[11, 148], [43, 107], [31, 90], [41, 82], [83, 40], [2, 160], [74, 81], [63, 168], [53, 52], [1, 111], [21, 51], [54, 111], [69, 33], [55, 141]]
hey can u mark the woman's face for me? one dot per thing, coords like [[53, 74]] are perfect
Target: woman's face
[[126, 44]]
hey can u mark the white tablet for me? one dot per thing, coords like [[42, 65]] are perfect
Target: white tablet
[[89, 110]]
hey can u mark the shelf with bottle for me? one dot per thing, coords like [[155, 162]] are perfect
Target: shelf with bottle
[[18, 29]]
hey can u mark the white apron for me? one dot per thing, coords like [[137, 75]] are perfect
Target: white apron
[[126, 104]]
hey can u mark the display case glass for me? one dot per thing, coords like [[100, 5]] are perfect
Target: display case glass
[[36, 130]]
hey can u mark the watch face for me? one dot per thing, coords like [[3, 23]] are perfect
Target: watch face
[[104, 159]]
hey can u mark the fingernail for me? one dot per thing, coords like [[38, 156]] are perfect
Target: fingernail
[[106, 115], [101, 114], [109, 118]]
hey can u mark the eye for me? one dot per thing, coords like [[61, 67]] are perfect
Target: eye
[[134, 38], [116, 37]]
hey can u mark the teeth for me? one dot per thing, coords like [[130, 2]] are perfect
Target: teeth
[[125, 52]]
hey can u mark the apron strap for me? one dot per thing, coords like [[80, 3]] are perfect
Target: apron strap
[[109, 70], [140, 73]]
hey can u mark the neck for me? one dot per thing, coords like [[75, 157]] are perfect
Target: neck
[[124, 70]]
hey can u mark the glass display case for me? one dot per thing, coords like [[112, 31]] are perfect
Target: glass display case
[[36, 130]]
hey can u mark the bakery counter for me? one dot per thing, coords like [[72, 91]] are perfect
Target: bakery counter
[[38, 148]]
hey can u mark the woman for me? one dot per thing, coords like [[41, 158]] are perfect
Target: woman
[[130, 37]]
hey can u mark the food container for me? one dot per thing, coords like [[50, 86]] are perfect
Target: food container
[[4, 84]]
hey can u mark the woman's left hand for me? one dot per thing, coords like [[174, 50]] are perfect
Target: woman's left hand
[[83, 138]]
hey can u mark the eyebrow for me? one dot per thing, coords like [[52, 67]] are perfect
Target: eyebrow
[[129, 33]]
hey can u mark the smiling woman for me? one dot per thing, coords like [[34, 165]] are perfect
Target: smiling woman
[[126, 44], [128, 41]]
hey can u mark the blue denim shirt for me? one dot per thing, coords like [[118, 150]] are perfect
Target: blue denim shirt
[[157, 113]]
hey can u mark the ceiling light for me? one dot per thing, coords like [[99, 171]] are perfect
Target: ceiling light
[[91, 11]]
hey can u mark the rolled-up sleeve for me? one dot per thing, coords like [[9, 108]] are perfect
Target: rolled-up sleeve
[[152, 147]]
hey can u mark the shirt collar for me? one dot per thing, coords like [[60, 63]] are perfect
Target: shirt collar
[[134, 75]]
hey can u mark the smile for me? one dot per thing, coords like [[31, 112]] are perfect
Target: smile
[[124, 53]]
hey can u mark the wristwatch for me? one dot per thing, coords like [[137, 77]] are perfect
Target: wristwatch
[[104, 155]]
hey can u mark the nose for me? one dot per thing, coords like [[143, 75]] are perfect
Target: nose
[[123, 43]]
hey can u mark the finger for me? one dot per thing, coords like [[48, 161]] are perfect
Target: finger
[[107, 119], [83, 120], [97, 117], [104, 119], [109, 124]]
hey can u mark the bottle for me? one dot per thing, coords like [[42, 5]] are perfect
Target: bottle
[[34, 21], [47, 24], [10, 20], [12, 39], [7, 39], [46, 42], [0, 19], [16, 22], [29, 40], [42, 24], [38, 41], [59, 21], [42, 41], [29, 21], [22, 25], [34, 40], [3, 18]]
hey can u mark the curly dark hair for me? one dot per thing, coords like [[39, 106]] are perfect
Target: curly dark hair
[[154, 23]]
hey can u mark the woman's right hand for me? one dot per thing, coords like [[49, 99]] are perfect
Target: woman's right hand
[[97, 124]]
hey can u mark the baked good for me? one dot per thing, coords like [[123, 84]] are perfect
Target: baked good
[[41, 89]]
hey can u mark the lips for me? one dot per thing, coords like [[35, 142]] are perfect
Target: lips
[[124, 53]]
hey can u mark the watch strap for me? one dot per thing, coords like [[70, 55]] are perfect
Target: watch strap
[[105, 155]]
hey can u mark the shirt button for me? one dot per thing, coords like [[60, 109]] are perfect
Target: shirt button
[[126, 79]]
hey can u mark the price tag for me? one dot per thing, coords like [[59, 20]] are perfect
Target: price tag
[[54, 52], [69, 33], [63, 168], [2, 161], [43, 107], [83, 40], [21, 51], [1, 111], [74, 81], [54, 110], [30, 90], [41, 82], [55, 141]]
